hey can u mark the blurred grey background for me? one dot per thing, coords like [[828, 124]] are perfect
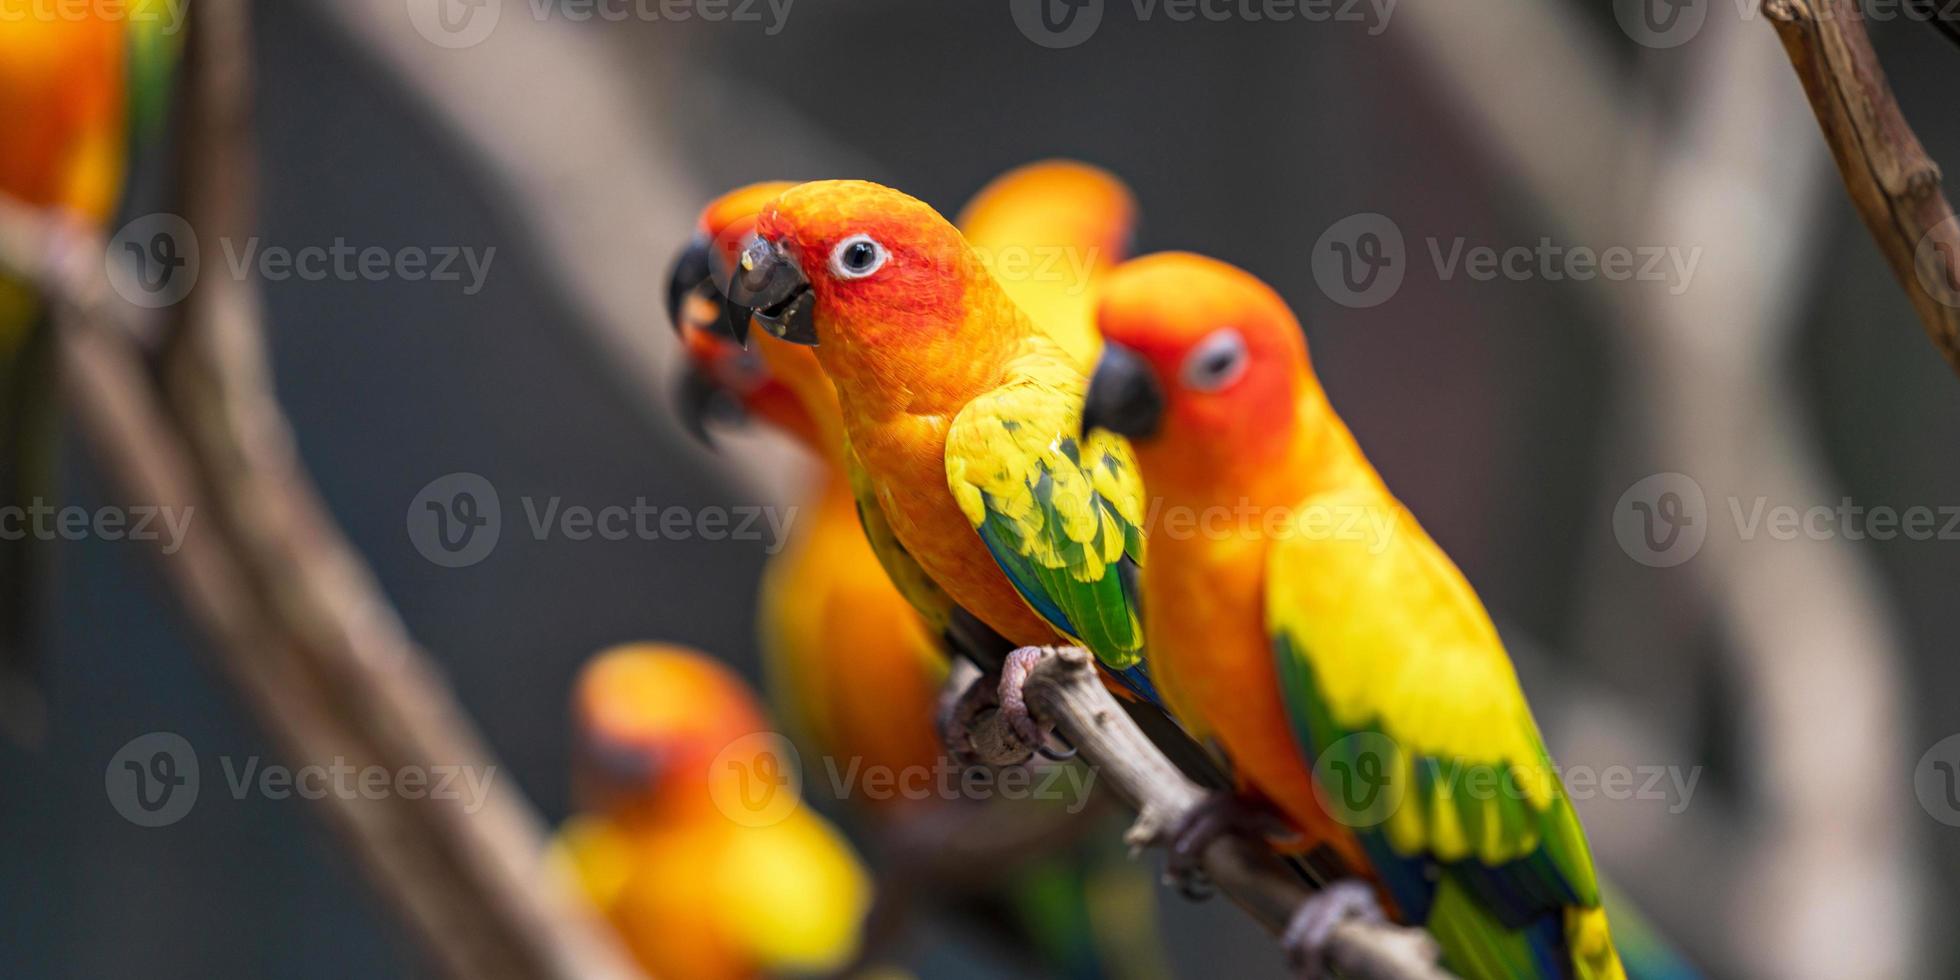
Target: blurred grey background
[[1509, 414]]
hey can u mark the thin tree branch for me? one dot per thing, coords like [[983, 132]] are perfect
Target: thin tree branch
[[1064, 690], [296, 622], [1891, 180]]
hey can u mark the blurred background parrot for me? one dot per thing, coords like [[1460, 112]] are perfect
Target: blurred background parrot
[[1336, 654], [78, 92], [702, 878], [960, 412], [854, 669]]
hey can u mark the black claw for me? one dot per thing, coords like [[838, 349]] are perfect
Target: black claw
[[1051, 753]]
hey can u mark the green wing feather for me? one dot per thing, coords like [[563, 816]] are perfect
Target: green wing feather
[[1060, 515], [1392, 673]]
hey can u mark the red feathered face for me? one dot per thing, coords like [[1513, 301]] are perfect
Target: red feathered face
[[881, 268], [1203, 359]]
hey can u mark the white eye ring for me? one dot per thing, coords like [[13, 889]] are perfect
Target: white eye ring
[[847, 260], [1217, 362]]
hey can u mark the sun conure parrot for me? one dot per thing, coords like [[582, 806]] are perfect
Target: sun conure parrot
[[850, 663], [1327, 638], [679, 841], [76, 93], [960, 414]]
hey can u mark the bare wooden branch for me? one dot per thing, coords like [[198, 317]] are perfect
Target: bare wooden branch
[[1064, 691], [1891, 180], [296, 622]]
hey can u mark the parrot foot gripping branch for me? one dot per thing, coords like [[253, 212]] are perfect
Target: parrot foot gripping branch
[[1063, 691]]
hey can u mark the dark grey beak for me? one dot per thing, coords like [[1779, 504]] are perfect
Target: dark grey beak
[[1124, 396], [699, 400], [689, 272], [768, 282], [693, 277]]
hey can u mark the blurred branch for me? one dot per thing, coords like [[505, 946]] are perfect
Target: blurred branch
[[296, 621], [1891, 180], [1706, 394], [1065, 691]]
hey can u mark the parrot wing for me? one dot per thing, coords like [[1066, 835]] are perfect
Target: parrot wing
[[1392, 671], [1062, 516]]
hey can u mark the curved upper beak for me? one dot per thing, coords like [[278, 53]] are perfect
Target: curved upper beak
[[769, 283], [692, 281], [1124, 396], [689, 272]]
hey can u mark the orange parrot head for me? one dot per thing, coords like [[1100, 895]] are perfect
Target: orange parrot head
[[780, 383], [885, 288], [1202, 368], [718, 369], [651, 720]]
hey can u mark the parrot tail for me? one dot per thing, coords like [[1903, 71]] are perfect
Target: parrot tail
[[1646, 954]]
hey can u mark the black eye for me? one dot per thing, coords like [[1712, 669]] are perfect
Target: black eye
[[1216, 362], [857, 256]]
